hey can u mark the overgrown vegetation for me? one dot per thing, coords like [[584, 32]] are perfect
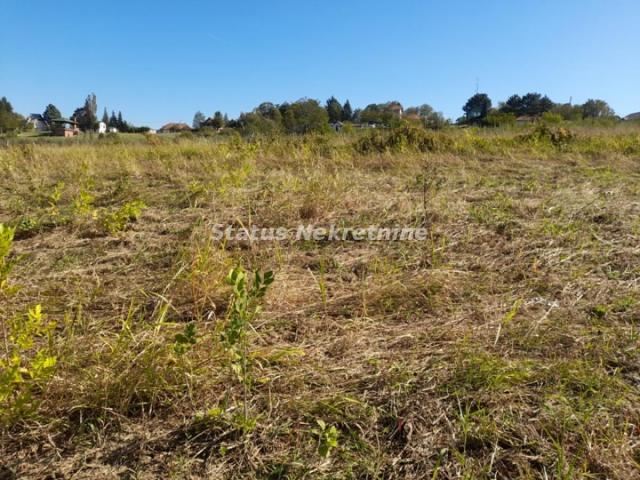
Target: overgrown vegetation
[[506, 345]]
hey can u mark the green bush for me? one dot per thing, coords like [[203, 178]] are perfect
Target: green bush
[[499, 119], [403, 138]]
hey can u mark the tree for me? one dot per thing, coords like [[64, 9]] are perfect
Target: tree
[[347, 112], [9, 120], [477, 107], [198, 118], [105, 116], [304, 116], [568, 111], [512, 105], [532, 104], [334, 110], [595, 108], [86, 115], [382, 113], [113, 120], [121, 125], [51, 112], [270, 111], [254, 123], [218, 120]]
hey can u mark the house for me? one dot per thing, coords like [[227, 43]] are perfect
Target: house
[[175, 127], [102, 127], [632, 116], [63, 127], [38, 122], [526, 119], [395, 108], [336, 126]]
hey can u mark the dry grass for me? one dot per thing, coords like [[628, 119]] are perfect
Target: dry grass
[[505, 346]]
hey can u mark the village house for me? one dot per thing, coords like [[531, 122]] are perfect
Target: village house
[[174, 128], [63, 127], [395, 108], [38, 122]]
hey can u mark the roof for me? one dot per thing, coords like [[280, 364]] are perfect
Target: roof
[[176, 126], [64, 120], [633, 116]]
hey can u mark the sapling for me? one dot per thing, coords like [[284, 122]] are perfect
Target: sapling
[[245, 306]]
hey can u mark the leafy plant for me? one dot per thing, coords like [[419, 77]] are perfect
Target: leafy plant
[[116, 221], [6, 264], [25, 368], [54, 198], [244, 307], [83, 203], [185, 340], [327, 438]]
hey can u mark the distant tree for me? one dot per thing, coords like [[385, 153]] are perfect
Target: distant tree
[[334, 110], [198, 119], [304, 116], [595, 108], [347, 112], [568, 111], [270, 111], [381, 113], [9, 120], [532, 104], [477, 107], [218, 120], [51, 112], [497, 118], [86, 115], [105, 116], [254, 123], [113, 120], [122, 125]]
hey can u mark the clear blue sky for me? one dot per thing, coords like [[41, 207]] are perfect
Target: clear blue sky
[[160, 61]]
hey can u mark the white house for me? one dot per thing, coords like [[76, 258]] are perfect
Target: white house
[[102, 127], [38, 122], [113, 130]]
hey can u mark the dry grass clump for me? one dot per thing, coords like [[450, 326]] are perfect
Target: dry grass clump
[[505, 345]]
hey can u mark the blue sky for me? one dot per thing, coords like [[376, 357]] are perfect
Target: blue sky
[[160, 61]]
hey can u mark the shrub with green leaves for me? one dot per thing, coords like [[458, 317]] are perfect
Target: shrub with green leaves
[[117, 220], [245, 306], [6, 264], [26, 366]]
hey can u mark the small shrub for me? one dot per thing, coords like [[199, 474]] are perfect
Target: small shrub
[[6, 264], [115, 222], [558, 136], [25, 368]]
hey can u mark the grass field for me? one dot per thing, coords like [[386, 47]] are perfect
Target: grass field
[[506, 345]]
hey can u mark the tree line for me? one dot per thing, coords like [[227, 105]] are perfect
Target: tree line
[[478, 109], [309, 115], [85, 116]]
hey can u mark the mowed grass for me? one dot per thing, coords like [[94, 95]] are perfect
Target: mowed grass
[[506, 345]]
